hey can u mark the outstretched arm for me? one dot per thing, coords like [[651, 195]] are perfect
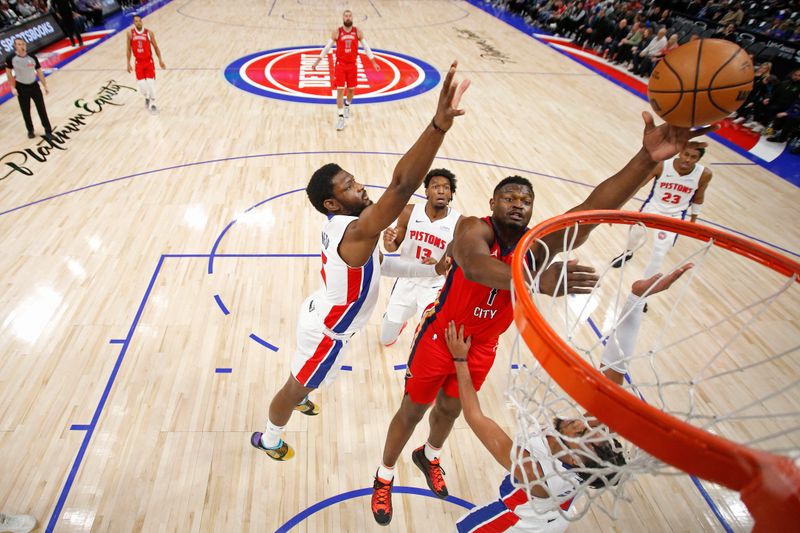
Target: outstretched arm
[[471, 252], [659, 143], [488, 432], [699, 195], [622, 342], [411, 169]]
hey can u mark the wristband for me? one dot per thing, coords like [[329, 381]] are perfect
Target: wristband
[[437, 128], [460, 359]]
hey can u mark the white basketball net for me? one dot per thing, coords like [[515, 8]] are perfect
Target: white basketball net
[[720, 350]]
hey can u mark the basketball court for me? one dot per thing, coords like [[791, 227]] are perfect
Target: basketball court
[[153, 266]]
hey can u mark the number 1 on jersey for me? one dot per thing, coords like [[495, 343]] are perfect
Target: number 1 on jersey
[[492, 295], [423, 253]]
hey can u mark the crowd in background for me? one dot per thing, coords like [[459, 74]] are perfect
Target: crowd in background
[[636, 34], [82, 13]]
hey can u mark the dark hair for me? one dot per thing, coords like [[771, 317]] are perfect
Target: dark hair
[[444, 173], [320, 186], [609, 452], [513, 180], [693, 146], [20, 39]]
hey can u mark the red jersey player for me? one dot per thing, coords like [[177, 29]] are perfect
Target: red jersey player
[[347, 38], [476, 295], [140, 39]]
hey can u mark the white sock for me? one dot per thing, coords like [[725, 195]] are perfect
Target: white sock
[[301, 402], [341, 112], [385, 473], [431, 453], [143, 88], [151, 85], [272, 436]]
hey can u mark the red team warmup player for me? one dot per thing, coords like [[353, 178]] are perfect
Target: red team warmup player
[[347, 38], [140, 39], [476, 295]]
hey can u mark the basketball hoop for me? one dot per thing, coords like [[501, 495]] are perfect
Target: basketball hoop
[[672, 425]]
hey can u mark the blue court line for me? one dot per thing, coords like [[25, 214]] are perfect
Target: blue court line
[[400, 366], [116, 341], [80, 427], [359, 493], [262, 342], [346, 368], [223, 370], [221, 305], [334, 152], [101, 404]]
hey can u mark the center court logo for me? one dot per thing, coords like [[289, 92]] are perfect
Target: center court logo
[[287, 74]]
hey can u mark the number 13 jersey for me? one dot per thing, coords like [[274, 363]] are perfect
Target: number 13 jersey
[[425, 238]]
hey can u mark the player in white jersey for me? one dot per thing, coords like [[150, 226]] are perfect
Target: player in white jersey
[[351, 267], [422, 234], [514, 511], [679, 188]]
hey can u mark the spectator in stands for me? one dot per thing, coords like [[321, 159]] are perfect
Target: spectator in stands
[[763, 87], [779, 101], [67, 13], [91, 9], [787, 124], [25, 10], [573, 18], [734, 16], [8, 17], [598, 29], [644, 60], [41, 7], [726, 33], [693, 8], [612, 41], [622, 52]]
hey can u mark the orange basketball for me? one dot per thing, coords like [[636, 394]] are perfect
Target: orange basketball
[[701, 82]]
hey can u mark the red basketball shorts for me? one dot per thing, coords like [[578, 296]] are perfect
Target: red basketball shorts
[[346, 74], [431, 368], [145, 70]]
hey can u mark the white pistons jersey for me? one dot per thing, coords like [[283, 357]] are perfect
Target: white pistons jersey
[[425, 238], [672, 193], [345, 303]]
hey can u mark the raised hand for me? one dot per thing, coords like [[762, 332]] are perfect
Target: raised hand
[[580, 279], [659, 282], [664, 141], [389, 237], [449, 98]]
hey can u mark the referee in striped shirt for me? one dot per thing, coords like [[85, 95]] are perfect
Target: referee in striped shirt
[[24, 84]]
